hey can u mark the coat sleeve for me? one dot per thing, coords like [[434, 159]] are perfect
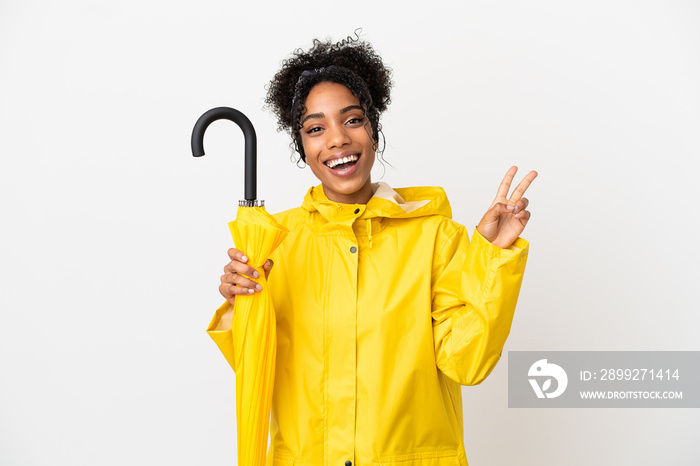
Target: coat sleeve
[[475, 289]]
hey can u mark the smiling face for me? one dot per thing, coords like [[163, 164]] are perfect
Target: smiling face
[[337, 140]]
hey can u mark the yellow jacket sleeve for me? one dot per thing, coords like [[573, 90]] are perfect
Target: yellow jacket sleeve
[[475, 290]]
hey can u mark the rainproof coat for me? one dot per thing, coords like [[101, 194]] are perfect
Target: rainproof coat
[[383, 310]]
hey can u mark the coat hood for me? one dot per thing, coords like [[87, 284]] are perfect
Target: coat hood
[[386, 202]]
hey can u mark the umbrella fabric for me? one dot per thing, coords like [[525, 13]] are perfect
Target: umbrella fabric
[[250, 346]]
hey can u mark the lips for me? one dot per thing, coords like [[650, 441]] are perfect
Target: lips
[[344, 165]]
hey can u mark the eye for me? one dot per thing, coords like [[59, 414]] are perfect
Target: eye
[[314, 129], [355, 121]]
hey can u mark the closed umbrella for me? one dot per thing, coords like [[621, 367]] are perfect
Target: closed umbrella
[[250, 346]]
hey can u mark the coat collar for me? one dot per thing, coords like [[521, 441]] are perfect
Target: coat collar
[[385, 202]]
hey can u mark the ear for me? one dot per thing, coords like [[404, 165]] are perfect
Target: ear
[[375, 137]]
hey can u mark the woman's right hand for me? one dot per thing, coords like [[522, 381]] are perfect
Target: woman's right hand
[[238, 277]]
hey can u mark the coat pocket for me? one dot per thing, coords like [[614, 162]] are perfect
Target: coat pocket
[[450, 458]]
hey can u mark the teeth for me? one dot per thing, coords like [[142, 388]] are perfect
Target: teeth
[[336, 162]]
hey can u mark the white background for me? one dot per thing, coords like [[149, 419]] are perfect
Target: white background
[[113, 236]]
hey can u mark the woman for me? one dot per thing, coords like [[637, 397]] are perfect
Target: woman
[[383, 305]]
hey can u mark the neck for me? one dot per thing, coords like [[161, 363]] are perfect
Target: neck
[[361, 196]]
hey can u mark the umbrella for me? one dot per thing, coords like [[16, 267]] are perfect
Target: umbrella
[[251, 345]]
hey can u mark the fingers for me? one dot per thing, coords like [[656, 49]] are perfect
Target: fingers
[[233, 284], [505, 184], [520, 205], [239, 264], [267, 267], [522, 187], [499, 208], [496, 210], [519, 211], [241, 281], [524, 216], [229, 292], [238, 277], [519, 191]]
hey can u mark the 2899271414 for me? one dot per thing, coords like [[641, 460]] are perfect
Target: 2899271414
[[632, 374]]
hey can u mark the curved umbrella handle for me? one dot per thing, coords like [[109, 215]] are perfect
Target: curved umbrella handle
[[241, 120]]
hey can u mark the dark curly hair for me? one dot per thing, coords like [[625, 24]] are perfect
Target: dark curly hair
[[351, 62]]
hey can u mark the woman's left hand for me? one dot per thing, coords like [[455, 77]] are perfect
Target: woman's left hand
[[507, 217]]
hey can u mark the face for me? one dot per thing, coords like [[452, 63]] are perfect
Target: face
[[337, 140]]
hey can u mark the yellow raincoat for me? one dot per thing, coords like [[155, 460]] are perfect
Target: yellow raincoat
[[383, 310]]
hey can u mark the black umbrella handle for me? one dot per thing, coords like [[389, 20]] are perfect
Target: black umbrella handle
[[251, 143]]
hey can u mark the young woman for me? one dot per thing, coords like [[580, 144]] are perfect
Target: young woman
[[383, 305]]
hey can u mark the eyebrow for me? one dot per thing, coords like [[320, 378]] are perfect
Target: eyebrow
[[342, 111]]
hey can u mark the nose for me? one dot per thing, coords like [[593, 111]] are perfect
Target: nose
[[338, 136]]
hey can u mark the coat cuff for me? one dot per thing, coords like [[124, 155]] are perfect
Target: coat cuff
[[222, 337], [519, 247], [212, 328]]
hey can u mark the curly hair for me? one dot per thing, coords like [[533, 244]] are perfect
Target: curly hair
[[351, 62]]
